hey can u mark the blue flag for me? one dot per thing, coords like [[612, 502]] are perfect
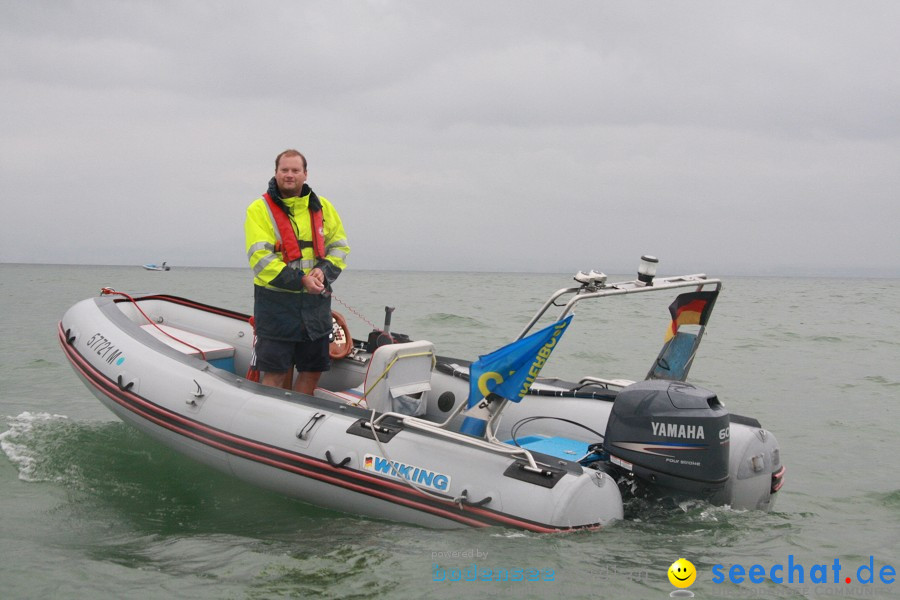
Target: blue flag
[[510, 371]]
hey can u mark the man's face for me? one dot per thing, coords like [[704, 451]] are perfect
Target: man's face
[[290, 176]]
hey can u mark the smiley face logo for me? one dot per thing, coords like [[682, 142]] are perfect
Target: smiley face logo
[[682, 573]]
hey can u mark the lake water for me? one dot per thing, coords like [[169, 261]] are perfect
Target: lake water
[[94, 510]]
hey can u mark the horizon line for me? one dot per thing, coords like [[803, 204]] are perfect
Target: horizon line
[[780, 271]]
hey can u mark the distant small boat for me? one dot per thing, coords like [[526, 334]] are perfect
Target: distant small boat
[[152, 267]]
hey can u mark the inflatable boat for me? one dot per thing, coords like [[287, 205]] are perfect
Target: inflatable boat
[[397, 432], [155, 267]]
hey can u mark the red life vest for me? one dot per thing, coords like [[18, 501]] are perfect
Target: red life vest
[[289, 247]]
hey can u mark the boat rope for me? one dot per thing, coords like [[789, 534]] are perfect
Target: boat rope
[[357, 313], [375, 328], [107, 291]]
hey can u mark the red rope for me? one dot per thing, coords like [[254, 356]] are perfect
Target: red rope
[[110, 291], [364, 319]]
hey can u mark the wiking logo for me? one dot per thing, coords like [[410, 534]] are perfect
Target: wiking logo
[[418, 475]]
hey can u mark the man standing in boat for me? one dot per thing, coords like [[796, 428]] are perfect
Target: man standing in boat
[[296, 246]]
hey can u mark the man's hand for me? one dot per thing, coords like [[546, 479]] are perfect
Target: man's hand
[[314, 281]]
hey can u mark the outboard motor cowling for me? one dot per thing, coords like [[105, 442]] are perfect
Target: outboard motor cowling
[[671, 436]]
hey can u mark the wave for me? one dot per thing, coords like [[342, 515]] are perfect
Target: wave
[[19, 442], [879, 380], [110, 469], [450, 320], [889, 500]]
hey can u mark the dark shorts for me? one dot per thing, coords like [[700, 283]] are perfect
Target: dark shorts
[[278, 356]]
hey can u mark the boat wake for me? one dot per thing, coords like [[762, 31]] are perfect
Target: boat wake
[[111, 469], [22, 443]]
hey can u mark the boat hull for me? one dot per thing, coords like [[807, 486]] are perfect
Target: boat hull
[[309, 448]]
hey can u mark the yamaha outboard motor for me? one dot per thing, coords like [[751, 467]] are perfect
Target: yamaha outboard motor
[[672, 438]]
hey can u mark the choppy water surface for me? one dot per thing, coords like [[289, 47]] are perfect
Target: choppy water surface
[[93, 509]]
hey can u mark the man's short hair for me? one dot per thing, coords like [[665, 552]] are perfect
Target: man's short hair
[[290, 153]]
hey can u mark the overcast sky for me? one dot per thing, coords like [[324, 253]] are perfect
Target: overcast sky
[[724, 137]]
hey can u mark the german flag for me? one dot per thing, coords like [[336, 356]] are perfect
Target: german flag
[[692, 308]]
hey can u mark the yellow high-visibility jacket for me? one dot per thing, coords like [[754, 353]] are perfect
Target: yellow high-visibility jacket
[[282, 308]]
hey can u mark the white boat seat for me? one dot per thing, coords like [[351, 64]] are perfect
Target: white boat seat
[[399, 377], [217, 353]]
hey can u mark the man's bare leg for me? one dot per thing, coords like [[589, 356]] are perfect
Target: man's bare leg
[[279, 379], [307, 381]]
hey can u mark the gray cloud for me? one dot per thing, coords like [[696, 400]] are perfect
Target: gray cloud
[[759, 137]]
